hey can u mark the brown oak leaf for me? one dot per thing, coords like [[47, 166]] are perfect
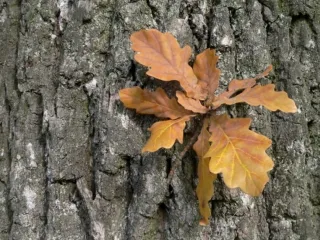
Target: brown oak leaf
[[205, 69], [157, 103], [190, 103], [167, 61]]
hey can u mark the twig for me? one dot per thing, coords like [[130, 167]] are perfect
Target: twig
[[177, 158]]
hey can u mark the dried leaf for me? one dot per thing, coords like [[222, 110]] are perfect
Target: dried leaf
[[206, 71], [190, 103], [261, 95], [256, 95], [236, 85], [162, 53], [157, 103], [206, 178], [239, 154], [165, 133]]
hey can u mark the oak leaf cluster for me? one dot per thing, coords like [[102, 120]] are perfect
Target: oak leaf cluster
[[225, 145]]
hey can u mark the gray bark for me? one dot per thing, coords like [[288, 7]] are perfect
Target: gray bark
[[70, 162]]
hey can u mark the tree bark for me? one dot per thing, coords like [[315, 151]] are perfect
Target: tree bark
[[70, 161]]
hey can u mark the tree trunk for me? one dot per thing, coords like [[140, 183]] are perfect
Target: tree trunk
[[70, 153]]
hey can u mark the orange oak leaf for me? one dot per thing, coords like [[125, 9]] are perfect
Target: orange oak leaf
[[205, 69], [261, 95], [167, 61], [165, 133], [239, 154], [206, 178], [190, 103], [157, 103], [256, 95], [236, 85]]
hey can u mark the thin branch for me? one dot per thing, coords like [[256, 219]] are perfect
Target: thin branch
[[177, 158]]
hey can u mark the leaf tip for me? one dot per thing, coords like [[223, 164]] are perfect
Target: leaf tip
[[291, 107], [294, 108], [147, 148], [203, 222], [269, 68], [121, 94]]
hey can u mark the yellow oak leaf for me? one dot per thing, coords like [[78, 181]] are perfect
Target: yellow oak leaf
[[239, 154], [206, 178], [165, 133]]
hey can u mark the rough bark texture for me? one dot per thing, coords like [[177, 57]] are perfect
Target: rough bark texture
[[70, 162]]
